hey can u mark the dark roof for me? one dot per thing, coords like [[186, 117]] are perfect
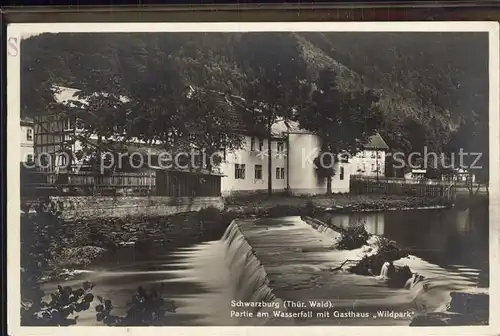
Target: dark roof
[[26, 121], [376, 142]]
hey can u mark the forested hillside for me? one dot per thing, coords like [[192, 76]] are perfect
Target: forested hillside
[[433, 88]]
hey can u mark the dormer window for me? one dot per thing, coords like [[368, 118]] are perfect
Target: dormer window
[[280, 147]]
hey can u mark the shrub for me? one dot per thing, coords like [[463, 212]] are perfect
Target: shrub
[[40, 242], [147, 308], [41, 245], [210, 214], [353, 238], [56, 312], [385, 251]]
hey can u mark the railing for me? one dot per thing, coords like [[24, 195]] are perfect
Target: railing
[[401, 180], [157, 183], [381, 187], [47, 179]]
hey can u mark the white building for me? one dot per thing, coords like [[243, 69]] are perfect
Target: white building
[[461, 175], [371, 161], [293, 168], [27, 137], [245, 170], [416, 174]]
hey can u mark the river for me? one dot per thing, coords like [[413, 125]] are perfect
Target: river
[[196, 276]]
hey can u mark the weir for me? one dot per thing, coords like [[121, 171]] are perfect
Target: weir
[[287, 259], [257, 266]]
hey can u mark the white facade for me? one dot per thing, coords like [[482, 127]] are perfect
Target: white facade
[[27, 136], [416, 174], [293, 167], [304, 179], [246, 169], [369, 163]]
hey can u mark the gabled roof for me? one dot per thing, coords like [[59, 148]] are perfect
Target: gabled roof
[[376, 142], [26, 121], [281, 127], [65, 95]]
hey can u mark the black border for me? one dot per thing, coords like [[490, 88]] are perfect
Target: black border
[[242, 12]]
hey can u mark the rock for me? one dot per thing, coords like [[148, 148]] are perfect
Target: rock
[[401, 276], [464, 308], [413, 281], [446, 319], [469, 303]]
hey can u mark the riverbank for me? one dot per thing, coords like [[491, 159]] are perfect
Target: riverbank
[[67, 247], [267, 206], [300, 259], [86, 240]]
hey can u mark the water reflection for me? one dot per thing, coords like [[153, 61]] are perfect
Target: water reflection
[[448, 238]]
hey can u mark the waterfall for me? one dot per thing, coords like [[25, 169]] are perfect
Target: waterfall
[[249, 278], [387, 271]]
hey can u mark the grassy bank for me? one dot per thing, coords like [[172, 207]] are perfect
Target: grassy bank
[[342, 203]]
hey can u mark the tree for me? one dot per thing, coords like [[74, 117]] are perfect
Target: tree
[[154, 72], [472, 139], [276, 82], [344, 121]]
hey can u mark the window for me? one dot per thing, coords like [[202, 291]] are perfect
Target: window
[[373, 168], [379, 155], [280, 173], [341, 173], [29, 134], [281, 147], [252, 144], [239, 171], [373, 155], [63, 160], [261, 144], [258, 172], [67, 124]]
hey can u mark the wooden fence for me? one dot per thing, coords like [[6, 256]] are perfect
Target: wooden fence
[[154, 183], [359, 186], [400, 180]]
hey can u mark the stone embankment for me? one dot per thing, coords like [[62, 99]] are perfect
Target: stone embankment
[[85, 228], [272, 206]]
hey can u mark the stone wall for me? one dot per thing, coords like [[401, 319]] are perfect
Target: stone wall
[[88, 207]]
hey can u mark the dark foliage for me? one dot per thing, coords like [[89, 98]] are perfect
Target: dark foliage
[[41, 243], [60, 309], [147, 308], [353, 238], [371, 264]]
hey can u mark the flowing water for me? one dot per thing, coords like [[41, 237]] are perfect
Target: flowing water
[[203, 277]]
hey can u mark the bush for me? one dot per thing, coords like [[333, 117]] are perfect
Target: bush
[[353, 238], [385, 250], [210, 214], [147, 308], [56, 312], [42, 245], [40, 242]]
